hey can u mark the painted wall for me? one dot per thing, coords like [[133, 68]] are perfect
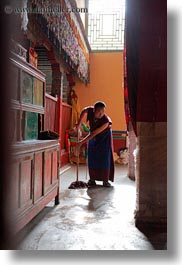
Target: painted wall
[[106, 84]]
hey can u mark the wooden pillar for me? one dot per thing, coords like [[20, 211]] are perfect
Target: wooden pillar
[[146, 47], [56, 91], [151, 174], [131, 148], [151, 116], [56, 79]]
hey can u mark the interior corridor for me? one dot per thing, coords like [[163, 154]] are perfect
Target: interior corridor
[[61, 63], [89, 219]]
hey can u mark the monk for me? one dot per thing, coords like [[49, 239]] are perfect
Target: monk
[[100, 145]]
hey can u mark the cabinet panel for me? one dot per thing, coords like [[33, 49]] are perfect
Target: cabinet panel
[[38, 177], [38, 92], [15, 77], [27, 87], [15, 182], [31, 125], [26, 174], [54, 166], [47, 170]]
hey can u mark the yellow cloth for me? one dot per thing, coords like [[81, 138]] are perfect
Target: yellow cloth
[[75, 109]]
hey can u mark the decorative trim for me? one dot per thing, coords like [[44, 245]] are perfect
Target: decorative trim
[[119, 134], [18, 50], [29, 69]]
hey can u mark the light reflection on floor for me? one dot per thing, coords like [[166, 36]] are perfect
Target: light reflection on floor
[[89, 219]]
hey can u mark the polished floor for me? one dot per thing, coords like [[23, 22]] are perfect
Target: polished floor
[[98, 218]]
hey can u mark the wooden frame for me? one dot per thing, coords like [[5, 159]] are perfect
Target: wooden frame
[[18, 104]]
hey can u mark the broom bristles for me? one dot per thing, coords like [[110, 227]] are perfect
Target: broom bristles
[[78, 185]]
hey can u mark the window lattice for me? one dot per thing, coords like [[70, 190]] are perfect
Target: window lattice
[[106, 21]]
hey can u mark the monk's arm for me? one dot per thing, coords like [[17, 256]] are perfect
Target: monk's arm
[[94, 133], [82, 116]]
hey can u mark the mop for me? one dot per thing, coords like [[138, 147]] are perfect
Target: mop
[[78, 184]]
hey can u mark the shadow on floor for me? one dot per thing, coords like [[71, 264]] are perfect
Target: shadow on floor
[[30, 226]]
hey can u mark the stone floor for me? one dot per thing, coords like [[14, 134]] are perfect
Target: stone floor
[[88, 219]]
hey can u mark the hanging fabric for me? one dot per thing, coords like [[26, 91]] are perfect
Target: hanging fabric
[[132, 24]]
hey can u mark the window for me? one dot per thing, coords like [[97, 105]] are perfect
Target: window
[[106, 21]]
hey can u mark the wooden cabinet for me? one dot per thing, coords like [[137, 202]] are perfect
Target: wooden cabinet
[[35, 178], [35, 163]]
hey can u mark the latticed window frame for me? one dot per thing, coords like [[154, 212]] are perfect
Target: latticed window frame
[[98, 40]]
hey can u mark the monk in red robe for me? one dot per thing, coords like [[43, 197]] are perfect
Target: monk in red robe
[[100, 145]]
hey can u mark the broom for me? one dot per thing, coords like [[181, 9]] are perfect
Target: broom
[[78, 184]]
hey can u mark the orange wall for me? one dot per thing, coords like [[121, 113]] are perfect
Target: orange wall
[[106, 84]]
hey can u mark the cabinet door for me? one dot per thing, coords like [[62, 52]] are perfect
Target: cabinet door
[[47, 171], [54, 166], [14, 191], [38, 176], [26, 182], [50, 169]]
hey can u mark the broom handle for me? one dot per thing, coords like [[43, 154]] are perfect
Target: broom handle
[[78, 152]]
